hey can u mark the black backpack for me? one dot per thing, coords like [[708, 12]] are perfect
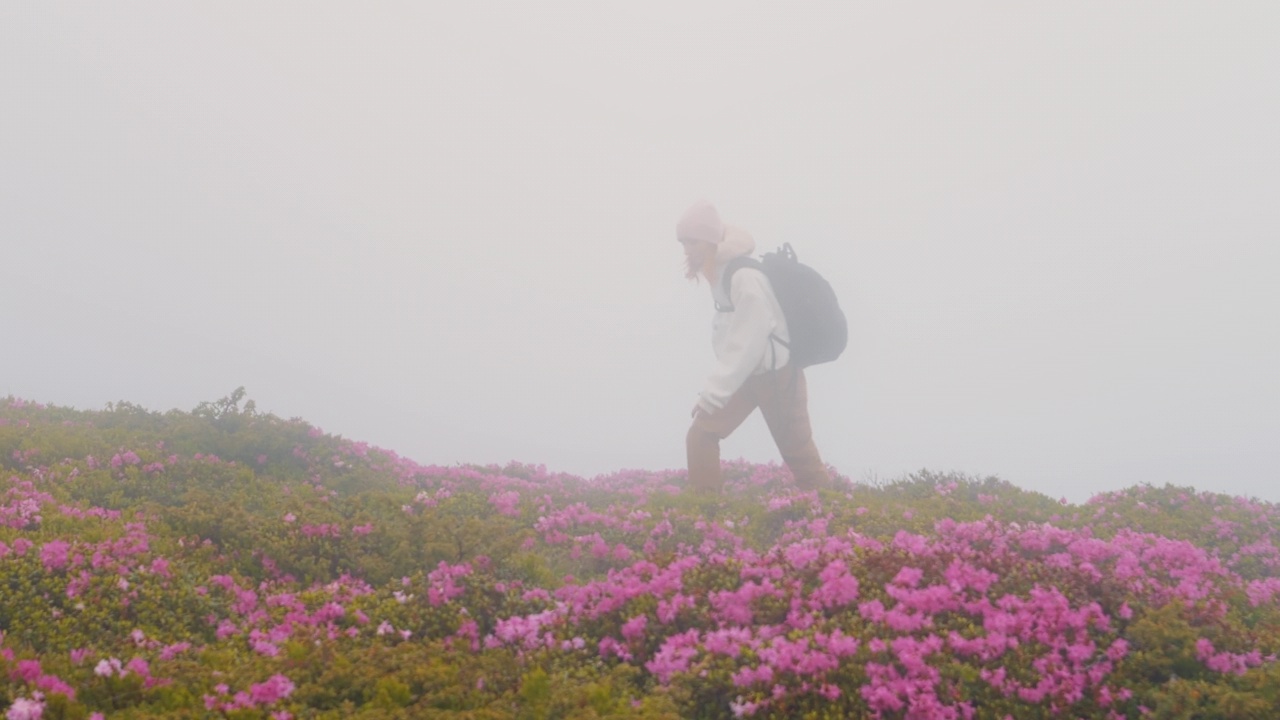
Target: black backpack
[[819, 331]]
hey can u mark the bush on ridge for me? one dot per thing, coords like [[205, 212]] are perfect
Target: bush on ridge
[[228, 563]]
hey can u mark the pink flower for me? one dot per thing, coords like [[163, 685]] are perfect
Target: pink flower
[[262, 647], [609, 646], [275, 689], [908, 576], [27, 670], [1118, 650], [506, 503], [139, 666], [24, 709], [55, 684], [838, 586], [749, 676], [54, 554], [633, 629], [174, 650], [442, 582], [674, 656]]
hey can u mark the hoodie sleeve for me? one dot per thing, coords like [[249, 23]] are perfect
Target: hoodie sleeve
[[745, 342]]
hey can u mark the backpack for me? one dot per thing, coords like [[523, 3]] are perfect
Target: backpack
[[819, 331]]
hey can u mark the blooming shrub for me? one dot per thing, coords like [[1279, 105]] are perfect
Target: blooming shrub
[[227, 563]]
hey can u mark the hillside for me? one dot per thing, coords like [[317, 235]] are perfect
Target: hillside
[[229, 563]]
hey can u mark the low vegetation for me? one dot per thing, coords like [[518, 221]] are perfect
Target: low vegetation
[[228, 563]]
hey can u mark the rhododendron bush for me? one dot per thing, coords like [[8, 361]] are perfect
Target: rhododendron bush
[[228, 563]]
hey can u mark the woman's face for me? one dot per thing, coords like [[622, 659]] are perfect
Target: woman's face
[[697, 254]]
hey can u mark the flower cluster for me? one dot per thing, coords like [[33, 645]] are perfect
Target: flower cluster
[[186, 573]]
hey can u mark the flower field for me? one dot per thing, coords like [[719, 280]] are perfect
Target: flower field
[[229, 563]]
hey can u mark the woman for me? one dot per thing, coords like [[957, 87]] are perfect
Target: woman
[[750, 338]]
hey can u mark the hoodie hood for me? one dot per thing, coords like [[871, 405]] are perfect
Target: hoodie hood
[[701, 222], [737, 243]]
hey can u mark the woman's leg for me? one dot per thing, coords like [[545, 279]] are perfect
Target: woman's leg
[[703, 441], [784, 402]]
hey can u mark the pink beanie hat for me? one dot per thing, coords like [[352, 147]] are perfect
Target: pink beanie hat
[[700, 222]]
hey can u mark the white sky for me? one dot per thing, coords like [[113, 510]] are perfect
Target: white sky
[[448, 228]]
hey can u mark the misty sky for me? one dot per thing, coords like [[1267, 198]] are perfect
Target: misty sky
[[448, 228]]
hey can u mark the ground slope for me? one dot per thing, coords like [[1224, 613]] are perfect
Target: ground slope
[[225, 562]]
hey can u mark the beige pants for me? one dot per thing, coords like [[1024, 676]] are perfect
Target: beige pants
[[783, 400]]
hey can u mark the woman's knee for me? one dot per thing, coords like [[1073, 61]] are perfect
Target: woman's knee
[[698, 437]]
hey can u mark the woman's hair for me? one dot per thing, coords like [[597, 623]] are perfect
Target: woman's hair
[[708, 265]]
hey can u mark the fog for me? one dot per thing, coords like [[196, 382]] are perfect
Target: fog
[[448, 228]]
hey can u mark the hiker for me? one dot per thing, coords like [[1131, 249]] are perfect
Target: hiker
[[749, 334]]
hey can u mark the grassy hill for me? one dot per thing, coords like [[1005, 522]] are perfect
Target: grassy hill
[[228, 563]]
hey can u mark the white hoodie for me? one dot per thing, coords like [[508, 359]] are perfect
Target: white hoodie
[[741, 339]]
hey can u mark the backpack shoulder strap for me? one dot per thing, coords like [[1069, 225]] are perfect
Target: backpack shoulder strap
[[726, 281]]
